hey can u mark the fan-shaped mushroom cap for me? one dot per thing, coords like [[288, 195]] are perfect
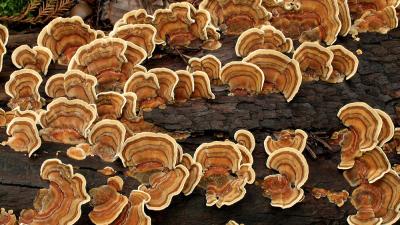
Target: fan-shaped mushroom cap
[[212, 43], [23, 88], [296, 139], [3, 42], [307, 20], [137, 16], [247, 157], [381, 21], [55, 86], [167, 79], [142, 35], [364, 125], [110, 105], [185, 86], [281, 74], [24, 135], [76, 152], [202, 86], [315, 61], [236, 16], [243, 78], [387, 131], [7, 217], [37, 58], [111, 60], [344, 17], [359, 7], [129, 110], [266, 37], [133, 213], [107, 203], [208, 64], [377, 203], [10, 115], [67, 121], [63, 36], [344, 63], [195, 172], [3, 118], [394, 144], [245, 138], [371, 166], [107, 138], [79, 85], [61, 203]]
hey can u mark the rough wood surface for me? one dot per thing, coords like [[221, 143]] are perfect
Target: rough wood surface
[[313, 109]]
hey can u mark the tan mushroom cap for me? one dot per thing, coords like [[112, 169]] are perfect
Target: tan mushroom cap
[[344, 63], [266, 37], [202, 86], [394, 144], [3, 42], [195, 173], [137, 16], [110, 105], [107, 137], [67, 121], [243, 78], [344, 17], [7, 217], [10, 115], [359, 7], [133, 213], [79, 85], [185, 86], [76, 153], [381, 21], [107, 171], [213, 41], [371, 166], [55, 86], [227, 194], [281, 74], [315, 61], [61, 203], [209, 64], [387, 131], [107, 203], [245, 138], [236, 16], [142, 35], [24, 135], [296, 139], [167, 79], [3, 118], [129, 110], [37, 58], [63, 36]]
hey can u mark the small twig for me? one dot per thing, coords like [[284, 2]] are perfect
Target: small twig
[[312, 153], [185, 58], [324, 143]]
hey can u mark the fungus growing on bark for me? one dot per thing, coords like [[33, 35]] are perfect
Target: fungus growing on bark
[[208, 64], [394, 144], [133, 213], [344, 64], [138, 16], [243, 78], [266, 37], [129, 110], [344, 17], [195, 172], [387, 131], [10, 115], [78, 152], [110, 105], [296, 139], [107, 171], [24, 135], [185, 86], [37, 58], [202, 86], [63, 36], [167, 79], [337, 198], [61, 202], [281, 74], [23, 88], [67, 121], [3, 42], [245, 138], [55, 86], [79, 85], [7, 217]]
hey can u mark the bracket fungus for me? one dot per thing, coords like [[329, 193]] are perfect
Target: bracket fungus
[[185, 86], [137, 16], [54, 87], [111, 60], [133, 213], [315, 61], [61, 202], [79, 85], [245, 138], [394, 144], [209, 64], [110, 105], [167, 79], [3, 42], [338, 198], [24, 135], [377, 203], [67, 121], [361, 135], [107, 137], [15, 113], [202, 86], [344, 64], [79, 152], [344, 17], [243, 78], [387, 131], [152, 160], [7, 217], [281, 74], [306, 20], [234, 17], [296, 139], [37, 58], [284, 189], [266, 37], [195, 172], [23, 88], [129, 110]]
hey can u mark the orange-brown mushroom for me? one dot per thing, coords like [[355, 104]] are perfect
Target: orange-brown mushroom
[[167, 79], [3, 118], [213, 39], [266, 37], [110, 105], [55, 86], [79, 85], [67, 121], [202, 86], [359, 7], [129, 110], [245, 138], [7, 217], [281, 74], [107, 171], [296, 139], [387, 131], [315, 61], [133, 213], [3, 42], [37, 58], [63, 36], [79, 152], [24, 135], [23, 88], [344, 17], [338, 198], [243, 78], [195, 172], [344, 64], [61, 202], [394, 144], [137, 16], [208, 64], [10, 115], [185, 86]]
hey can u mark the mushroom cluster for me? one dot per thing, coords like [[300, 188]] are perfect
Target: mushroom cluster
[[3, 42]]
